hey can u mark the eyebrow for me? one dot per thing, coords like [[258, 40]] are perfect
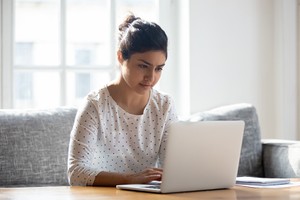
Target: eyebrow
[[144, 61]]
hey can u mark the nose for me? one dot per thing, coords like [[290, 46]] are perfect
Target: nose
[[149, 76]]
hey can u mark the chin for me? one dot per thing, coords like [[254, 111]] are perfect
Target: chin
[[144, 89]]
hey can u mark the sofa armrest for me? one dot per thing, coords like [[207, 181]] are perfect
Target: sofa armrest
[[281, 158]]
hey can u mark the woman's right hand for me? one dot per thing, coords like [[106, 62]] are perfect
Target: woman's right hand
[[146, 176], [113, 178]]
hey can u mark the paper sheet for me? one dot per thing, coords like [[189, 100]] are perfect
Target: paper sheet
[[257, 182]]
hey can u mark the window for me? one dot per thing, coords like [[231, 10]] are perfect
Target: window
[[56, 51]]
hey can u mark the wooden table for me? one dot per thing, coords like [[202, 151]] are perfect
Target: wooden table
[[100, 193]]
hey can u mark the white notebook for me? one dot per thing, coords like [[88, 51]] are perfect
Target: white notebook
[[257, 181]]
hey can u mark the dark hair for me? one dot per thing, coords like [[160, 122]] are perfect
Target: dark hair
[[138, 36]]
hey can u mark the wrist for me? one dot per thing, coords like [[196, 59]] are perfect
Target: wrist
[[125, 178]]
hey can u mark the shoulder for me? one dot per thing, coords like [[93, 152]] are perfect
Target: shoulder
[[97, 95], [163, 105], [95, 99], [159, 96], [161, 101], [98, 98]]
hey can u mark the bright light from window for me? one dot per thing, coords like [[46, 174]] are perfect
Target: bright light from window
[[65, 48]]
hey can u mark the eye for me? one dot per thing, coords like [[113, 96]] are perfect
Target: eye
[[159, 69], [142, 66]]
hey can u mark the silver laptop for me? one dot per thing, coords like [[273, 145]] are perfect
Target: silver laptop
[[199, 156]]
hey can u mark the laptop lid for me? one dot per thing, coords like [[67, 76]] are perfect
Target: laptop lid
[[199, 156]]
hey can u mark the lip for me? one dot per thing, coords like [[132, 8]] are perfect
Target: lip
[[146, 85]]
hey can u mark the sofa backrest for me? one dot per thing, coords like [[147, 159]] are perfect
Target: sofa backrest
[[34, 143], [251, 153], [34, 146]]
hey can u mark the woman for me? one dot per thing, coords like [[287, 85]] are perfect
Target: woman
[[119, 134]]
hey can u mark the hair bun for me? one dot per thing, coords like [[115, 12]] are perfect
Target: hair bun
[[138, 35], [129, 20]]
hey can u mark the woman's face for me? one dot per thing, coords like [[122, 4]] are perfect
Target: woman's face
[[142, 70]]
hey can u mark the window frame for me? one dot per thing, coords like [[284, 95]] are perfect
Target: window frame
[[1, 89], [7, 66], [6, 53], [167, 9]]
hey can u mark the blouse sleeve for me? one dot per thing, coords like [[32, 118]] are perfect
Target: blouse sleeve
[[171, 117], [82, 141]]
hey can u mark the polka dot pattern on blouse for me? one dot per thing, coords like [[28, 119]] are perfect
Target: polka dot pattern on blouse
[[107, 138]]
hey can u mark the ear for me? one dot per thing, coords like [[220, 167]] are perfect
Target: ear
[[120, 57]]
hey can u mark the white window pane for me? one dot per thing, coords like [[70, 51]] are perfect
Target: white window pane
[[36, 89], [36, 32], [86, 41], [146, 9], [79, 84], [88, 32]]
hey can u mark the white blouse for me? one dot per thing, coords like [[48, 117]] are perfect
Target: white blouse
[[107, 138]]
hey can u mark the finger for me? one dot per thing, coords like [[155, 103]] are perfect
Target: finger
[[153, 172], [150, 178], [153, 176], [158, 169]]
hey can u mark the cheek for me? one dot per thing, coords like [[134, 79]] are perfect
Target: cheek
[[125, 73], [157, 77], [131, 76]]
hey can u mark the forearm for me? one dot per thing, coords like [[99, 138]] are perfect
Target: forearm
[[110, 179], [113, 179]]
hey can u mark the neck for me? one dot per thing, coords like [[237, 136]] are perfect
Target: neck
[[128, 99]]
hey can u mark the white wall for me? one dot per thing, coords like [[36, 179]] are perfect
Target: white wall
[[298, 68], [1, 54], [286, 64], [176, 75], [231, 55]]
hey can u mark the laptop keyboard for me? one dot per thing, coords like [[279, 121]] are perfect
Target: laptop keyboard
[[153, 186]]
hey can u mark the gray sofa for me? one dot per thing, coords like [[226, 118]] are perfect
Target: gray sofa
[[34, 146], [261, 158]]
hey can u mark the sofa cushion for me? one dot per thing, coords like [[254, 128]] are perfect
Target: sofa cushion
[[288, 166], [251, 153], [34, 146]]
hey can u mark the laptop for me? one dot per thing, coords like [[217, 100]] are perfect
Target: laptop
[[201, 155]]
